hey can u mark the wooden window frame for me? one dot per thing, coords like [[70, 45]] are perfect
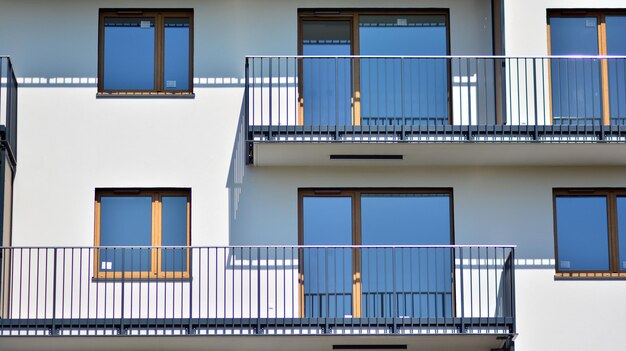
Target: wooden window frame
[[159, 16], [355, 194], [155, 253], [352, 15], [600, 15], [611, 195]]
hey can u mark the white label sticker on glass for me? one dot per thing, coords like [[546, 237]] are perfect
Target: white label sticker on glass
[[590, 22], [170, 84], [107, 265], [565, 264], [145, 24], [402, 21]]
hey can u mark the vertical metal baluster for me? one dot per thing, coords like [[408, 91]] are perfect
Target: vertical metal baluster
[[293, 303], [258, 304], [250, 282], [279, 76], [269, 125], [80, 283], [411, 291], [284, 292], [28, 299], [54, 292], [123, 284], [462, 273], [402, 97], [328, 292], [267, 284], [512, 289], [488, 282]]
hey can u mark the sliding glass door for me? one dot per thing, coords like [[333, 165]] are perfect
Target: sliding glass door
[[587, 90], [407, 91], [379, 280], [326, 82], [406, 282], [369, 89]]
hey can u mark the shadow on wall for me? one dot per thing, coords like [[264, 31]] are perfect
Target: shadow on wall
[[236, 177], [261, 212]]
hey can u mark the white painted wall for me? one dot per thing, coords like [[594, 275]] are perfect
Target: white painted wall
[[71, 143]]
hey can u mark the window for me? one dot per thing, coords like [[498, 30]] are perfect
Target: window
[[145, 51], [372, 282], [587, 91], [132, 223], [372, 91], [589, 226]]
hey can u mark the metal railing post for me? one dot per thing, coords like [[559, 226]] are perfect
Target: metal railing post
[[246, 95], [54, 293], [258, 295]]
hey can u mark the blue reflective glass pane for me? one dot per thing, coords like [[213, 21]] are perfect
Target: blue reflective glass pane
[[582, 233], [616, 45], [128, 54], [327, 82], [576, 83], [621, 225], [408, 91], [174, 233], [125, 221], [407, 282], [176, 54], [327, 272]]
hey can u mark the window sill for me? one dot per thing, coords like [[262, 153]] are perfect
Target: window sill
[[590, 276], [143, 95]]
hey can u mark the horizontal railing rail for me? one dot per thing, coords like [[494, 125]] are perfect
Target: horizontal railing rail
[[257, 290], [8, 108], [436, 98]]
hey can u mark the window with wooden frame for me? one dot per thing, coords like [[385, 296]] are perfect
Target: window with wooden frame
[[587, 90], [145, 52], [373, 281], [589, 225], [142, 233], [367, 90]]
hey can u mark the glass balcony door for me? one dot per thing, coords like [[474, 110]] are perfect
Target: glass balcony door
[[588, 91], [372, 88], [327, 272], [406, 282], [326, 83], [576, 83], [411, 91], [379, 281]]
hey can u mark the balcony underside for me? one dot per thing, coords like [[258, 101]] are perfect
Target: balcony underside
[[437, 342], [439, 145]]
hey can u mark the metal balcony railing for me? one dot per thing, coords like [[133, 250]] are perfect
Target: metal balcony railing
[[252, 290], [436, 99], [8, 108]]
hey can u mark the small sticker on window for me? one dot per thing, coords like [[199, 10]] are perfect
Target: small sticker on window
[[106, 265], [145, 24], [590, 22], [170, 84], [565, 264], [402, 21]]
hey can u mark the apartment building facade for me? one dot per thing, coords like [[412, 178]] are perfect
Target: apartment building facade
[[266, 174]]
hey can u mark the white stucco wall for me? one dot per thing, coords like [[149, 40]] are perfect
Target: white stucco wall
[[70, 143]]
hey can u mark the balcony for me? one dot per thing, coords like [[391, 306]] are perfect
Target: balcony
[[421, 296], [319, 110]]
